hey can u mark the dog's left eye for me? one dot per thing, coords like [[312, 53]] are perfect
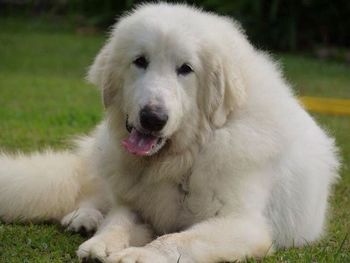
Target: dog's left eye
[[141, 62], [184, 69]]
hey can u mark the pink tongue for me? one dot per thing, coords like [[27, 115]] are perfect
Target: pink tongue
[[138, 143]]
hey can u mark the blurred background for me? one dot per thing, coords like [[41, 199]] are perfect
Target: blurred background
[[318, 26]]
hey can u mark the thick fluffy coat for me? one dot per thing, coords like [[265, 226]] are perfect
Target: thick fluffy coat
[[237, 168]]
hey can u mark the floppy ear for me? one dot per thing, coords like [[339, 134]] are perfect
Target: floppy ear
[[101, 74], [226, 90]]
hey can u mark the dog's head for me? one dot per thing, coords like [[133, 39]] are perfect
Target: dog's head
[[167, 72]]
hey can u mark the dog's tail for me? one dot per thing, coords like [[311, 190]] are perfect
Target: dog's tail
[[40, 186]]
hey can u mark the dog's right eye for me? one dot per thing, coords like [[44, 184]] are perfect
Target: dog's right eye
[[141, 62], [184, 70]]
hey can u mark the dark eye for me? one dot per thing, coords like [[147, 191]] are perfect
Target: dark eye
[[141, 62], [184, 69]]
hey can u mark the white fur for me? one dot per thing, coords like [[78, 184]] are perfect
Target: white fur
[[245, 168]]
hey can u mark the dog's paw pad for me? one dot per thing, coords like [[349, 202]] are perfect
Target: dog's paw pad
[[92, 250], [84, 220], [99, 247]]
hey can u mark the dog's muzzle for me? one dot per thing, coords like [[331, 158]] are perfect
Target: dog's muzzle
[[145, 141]]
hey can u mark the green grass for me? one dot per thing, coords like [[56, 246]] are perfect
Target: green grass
[[44, 100]]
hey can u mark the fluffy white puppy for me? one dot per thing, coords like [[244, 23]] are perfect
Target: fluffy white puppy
[[203, 141]]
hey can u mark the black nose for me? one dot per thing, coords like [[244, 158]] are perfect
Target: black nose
[[153, 118]]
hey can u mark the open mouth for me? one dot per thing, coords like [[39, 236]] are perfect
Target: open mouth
[[142, 144]]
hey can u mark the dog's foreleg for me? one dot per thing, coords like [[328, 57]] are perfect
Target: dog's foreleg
[[95, 200], [119, 230], [215, 240]]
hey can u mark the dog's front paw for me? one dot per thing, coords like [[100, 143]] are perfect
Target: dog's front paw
[[99, 247], [84, 220], [137, 255]]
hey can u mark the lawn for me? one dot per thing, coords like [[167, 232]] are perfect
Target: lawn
[[44, 101]]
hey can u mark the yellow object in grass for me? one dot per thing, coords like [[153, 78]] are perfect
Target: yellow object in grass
[[326, 105]]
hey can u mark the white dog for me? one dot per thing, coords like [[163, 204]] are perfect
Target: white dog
[[203, 141]]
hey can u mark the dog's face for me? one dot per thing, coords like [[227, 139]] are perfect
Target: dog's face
[[167, 78], [159, 87]]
